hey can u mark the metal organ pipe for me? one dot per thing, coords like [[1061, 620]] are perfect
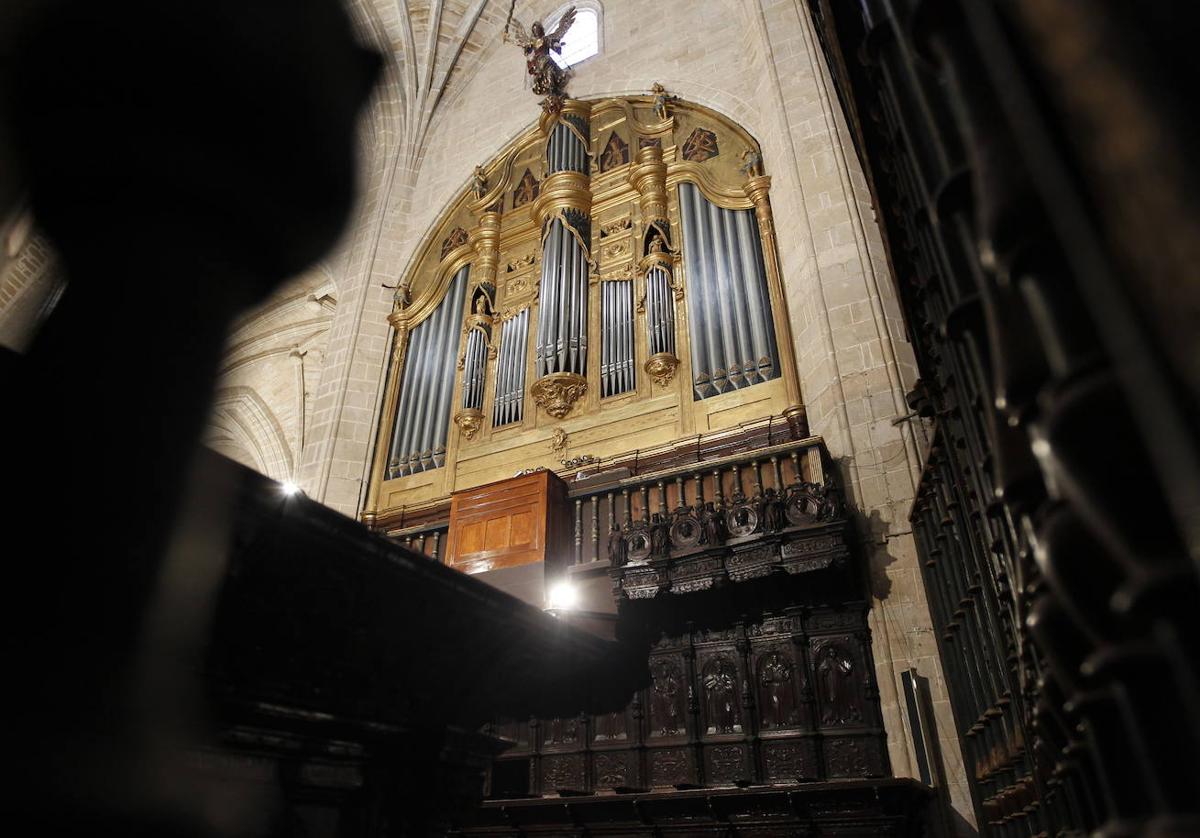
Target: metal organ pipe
[[473, 370], [562, 291], [510, 376], [561, 332], [729, 306], [433, 442], [762, 330], [666, 307], [501, 379], [423, 409]]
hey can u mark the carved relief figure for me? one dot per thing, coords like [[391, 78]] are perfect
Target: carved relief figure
[[720, 698], [777, 695], [618, 550], [526, 191], [616, 153], [457, 238], [666, 713], [773, 511], [700, 145], [712, 525], [478, 182], [611, 726], [837, 693], [660, 536]]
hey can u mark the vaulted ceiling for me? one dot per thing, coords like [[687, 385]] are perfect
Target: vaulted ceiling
[[434, 46]]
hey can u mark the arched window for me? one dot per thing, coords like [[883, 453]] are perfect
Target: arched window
[[582, 40]]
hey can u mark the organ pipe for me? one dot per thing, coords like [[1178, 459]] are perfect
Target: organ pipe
[[560, 352], [423, 413], [616, 338], [729, 311], [509, 401], [660, 311]]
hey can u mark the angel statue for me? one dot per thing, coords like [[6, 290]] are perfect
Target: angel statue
[[549, 80]]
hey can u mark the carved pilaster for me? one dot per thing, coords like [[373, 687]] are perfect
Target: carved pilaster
[[399, 323], [757, 190], [486, 238], [649, 177]]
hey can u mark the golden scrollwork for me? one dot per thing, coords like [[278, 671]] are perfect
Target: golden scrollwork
[[614, 251], [469, 421], [557, 393], [661, 368], [617, 227]]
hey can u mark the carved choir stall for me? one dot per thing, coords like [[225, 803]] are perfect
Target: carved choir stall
[[1045, 280], [611, 328]]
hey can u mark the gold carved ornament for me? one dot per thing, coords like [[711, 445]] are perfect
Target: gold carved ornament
[[557, 392], [661, 368], [469, 421]]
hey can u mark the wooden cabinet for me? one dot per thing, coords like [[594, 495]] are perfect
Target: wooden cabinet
[[512, 522]]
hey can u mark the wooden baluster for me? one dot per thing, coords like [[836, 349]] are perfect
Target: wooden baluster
[[408, 542], [758, 486], [796, 465], [699, 478], [778, 473], [422, 547], [578, 531], [645, 503], [437, 538], [628, 508], [662, 497], [612, 510], [737, 481], [718, 495], [596, 527], [680, 502]]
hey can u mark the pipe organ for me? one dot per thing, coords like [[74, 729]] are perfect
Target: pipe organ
[[609, 227]]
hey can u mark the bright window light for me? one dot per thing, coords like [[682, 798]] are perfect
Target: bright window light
[[581, 41], [289, 488], [562, 596]]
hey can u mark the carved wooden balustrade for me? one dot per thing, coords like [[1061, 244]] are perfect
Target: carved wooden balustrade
[[691, 526]]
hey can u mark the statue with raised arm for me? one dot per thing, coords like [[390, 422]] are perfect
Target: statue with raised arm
[[549, 80]]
